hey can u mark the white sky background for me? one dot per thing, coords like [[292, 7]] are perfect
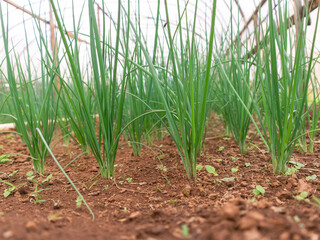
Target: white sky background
[[19, 21]]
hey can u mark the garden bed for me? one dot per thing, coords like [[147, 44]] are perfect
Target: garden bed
[[153, 199]]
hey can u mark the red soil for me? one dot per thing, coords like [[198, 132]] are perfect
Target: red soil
[[159, 204]]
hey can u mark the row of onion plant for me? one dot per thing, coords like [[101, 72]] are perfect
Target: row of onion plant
[[284, 73], [285, 83], [141, 96], [127, 90], [234, 100]]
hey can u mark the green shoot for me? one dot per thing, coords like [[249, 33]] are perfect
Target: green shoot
[[259, 190]]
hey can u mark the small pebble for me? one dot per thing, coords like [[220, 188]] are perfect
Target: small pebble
[[7, 234], [134, 215], [31, 226], [94, 193]]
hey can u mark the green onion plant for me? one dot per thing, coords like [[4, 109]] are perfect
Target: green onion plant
[[284, 81], [238, 71], [185, 102], [33, 102], [108, 92], [314, 115], [284, 87]]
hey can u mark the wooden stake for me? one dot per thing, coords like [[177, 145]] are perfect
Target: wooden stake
[[53, 42], [98, 16], [297, 18]]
